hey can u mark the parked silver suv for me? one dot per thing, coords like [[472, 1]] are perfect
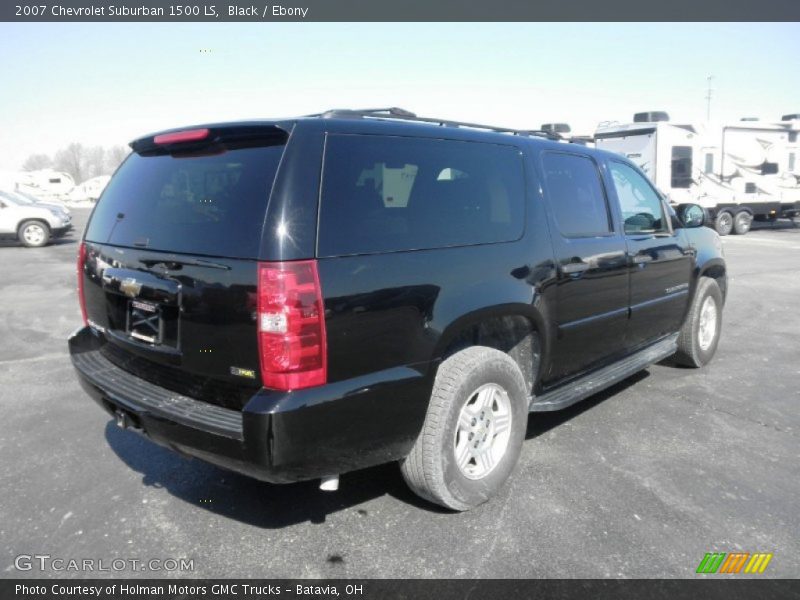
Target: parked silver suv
[[33, 224]]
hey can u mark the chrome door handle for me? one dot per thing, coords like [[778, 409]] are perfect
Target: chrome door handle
[[640, 259], [572, 268]]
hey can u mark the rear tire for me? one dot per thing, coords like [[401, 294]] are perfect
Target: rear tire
[[699, 336], [742, 222], [723, 223], [473, 432], [33, 234]]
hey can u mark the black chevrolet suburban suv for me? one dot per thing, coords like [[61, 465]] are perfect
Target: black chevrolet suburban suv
[[294, 299]]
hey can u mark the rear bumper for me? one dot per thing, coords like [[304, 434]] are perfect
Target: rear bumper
[[279, 436]]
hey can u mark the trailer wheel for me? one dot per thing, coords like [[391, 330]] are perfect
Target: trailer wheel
[[723, 223], [742, 222]]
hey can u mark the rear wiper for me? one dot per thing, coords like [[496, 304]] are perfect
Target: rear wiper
[[173, 263]]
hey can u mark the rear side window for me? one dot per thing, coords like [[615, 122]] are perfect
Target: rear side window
[[576, 195], [195, 204], [386, 194]]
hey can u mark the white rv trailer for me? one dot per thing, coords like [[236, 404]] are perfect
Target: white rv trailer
[[45, 183], [738, 172]]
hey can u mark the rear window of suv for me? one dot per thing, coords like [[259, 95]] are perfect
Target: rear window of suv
[[387, 194], [203, 203]]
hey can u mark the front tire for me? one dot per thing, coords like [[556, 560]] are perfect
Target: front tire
[[33, 234], [699, 336], [723, 223], [473, 432]]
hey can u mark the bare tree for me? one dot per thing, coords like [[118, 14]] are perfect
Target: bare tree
[[81, 162], [114, 157], [72, 160], [95, 161], [37, 161]]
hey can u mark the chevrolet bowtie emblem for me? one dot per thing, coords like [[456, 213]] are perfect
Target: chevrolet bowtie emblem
[[130, 287]]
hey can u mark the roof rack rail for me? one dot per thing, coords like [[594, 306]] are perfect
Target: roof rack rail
[[391, 111], [406, 115]]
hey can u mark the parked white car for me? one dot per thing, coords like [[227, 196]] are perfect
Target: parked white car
[[31, 199], [32, 224]]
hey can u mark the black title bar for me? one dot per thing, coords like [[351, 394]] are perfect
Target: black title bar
[[387, 589], [398, 10]]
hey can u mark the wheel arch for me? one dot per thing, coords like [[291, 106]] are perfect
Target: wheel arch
[[511, 328], [716, 269]]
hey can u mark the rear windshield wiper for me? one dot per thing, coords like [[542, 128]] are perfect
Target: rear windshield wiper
[[172, 263]]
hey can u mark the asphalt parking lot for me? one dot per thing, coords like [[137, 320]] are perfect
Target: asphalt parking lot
[[640, 481]]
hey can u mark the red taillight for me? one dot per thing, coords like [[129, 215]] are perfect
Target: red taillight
[[291, 325], [190, 135], [81, 297]]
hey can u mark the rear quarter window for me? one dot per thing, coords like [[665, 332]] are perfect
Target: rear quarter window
[[387, 194]]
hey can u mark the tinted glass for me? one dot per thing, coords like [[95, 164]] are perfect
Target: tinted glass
[[709, 163], [384, 194], [212, 205], [768, 168], [642, 211], [681, 166], [576, 195]]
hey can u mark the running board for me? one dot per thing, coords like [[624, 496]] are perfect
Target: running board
[[590, 384]]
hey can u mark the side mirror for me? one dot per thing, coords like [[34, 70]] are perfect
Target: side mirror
[[692, 215]]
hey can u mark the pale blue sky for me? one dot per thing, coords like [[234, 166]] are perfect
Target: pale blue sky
[[107, 83]]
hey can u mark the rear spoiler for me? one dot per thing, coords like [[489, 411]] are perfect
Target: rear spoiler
[[188, 139]]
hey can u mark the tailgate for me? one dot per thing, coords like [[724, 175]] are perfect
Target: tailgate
[[170, 267]]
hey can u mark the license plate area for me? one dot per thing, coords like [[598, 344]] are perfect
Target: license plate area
[[145, 322]]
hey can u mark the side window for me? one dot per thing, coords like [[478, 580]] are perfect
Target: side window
[[642, 210], [576, 195], [709, 163], [681, 166], [768, 168], [390, 193]]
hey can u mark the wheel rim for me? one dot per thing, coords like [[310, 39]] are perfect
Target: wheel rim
[[742, 221], [725, 221], [483, 431], [34, 234], [707, 330]]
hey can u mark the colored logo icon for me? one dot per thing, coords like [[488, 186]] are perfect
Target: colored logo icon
[[734, 562]]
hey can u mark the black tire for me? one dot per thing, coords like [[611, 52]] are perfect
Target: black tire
[[742, 222], [691, 352], [431, 469], [723, 223], [33, 234]]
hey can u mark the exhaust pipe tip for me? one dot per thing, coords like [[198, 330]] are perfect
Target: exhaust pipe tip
[[329, 484]]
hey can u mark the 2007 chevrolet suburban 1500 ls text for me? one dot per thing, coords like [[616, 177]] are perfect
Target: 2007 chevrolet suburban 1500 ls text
[[295, 299]]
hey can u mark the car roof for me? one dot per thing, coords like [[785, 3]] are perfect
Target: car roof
[[380, 121]]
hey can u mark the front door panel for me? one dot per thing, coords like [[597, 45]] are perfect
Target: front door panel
[[660, 259]]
